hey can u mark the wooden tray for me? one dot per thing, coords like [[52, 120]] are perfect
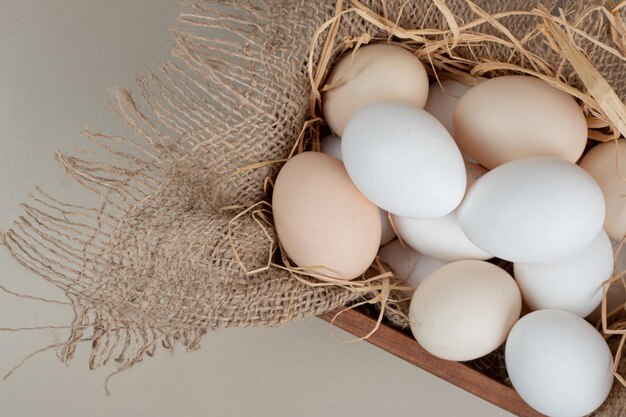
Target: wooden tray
[[405, 347]]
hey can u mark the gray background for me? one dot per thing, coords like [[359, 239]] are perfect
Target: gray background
[[57, 60]]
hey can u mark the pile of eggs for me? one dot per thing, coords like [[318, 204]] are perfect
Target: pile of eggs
[[466, 175]]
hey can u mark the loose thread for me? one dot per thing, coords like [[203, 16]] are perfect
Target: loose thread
[[36, 352], [32, 297]]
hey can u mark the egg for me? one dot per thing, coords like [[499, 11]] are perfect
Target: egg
[[442, 99], [331, 145], [516, 116], [558, 363], [387, 234], [464, 310], [605, 164], [534, 209], [442, 237], [323, 222], [616, 292], [373, 73], [615, 298], [404, 160], [571, 284], [407, 264]]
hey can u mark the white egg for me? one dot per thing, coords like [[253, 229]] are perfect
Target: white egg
[[331, 145], [616, 292], [407, 264], [442, 99], [535, 209], [558, 363], [442, 237], [403, 160], [571, 284], [615, 298]]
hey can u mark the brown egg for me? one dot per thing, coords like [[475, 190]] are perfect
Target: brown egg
[[516, 116], [374, 73], [323, 222], [602, 163]]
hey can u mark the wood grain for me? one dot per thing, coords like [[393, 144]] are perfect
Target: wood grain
[[405, 347]]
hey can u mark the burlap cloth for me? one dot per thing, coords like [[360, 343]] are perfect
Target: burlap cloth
[[163, 259]]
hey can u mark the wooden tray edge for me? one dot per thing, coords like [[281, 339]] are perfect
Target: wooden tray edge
[[405, 347]]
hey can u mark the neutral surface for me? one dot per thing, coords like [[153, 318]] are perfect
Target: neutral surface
[[57, 59]]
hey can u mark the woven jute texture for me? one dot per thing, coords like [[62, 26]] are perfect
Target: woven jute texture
[[169, 253]]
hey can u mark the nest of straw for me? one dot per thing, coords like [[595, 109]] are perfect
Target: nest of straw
[[560, 50]]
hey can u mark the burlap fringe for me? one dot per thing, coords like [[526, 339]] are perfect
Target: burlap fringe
[[158, 262]]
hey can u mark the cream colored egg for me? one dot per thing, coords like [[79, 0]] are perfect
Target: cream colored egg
[[442, 99], [608, 166], [373, 73], [464, 310], [515, 116], [323, 222]]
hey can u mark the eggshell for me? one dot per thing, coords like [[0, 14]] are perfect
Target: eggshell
[[404, 160], [535, 209], [407, 264], [442, 99], [373, 73], [331, 145], [571, 284], [558, 363], [602, 163], [616, 292], [323, 222], [464, 310], [442, 237], [387, 233], [615, 298], [515, 116]]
